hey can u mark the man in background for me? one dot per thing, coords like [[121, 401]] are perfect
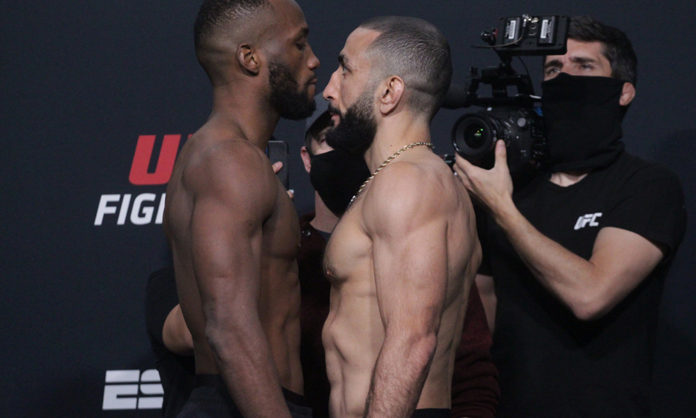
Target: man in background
[[579, 255]]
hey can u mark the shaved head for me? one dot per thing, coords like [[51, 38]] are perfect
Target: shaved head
[[222, 25], [225, 16], [416, 51]]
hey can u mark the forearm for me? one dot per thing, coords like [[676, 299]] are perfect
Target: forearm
[[573, 279], [247, 367], [399, 375]]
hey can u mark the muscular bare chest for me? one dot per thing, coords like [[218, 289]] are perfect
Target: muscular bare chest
[[281, 230], [348, 252]]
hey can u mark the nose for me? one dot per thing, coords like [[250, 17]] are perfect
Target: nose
[[313, 62], [330, 91]]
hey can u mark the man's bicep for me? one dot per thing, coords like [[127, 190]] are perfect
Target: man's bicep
[[623, 259], [226, 244], [410, 270]]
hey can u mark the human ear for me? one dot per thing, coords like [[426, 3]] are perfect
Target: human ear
[[306, 158], [248, 59], [391, 94], [628, 92]]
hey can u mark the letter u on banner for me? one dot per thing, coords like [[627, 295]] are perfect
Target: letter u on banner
[[139, 174]]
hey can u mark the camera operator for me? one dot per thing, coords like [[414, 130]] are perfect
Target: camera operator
[[576, 258]]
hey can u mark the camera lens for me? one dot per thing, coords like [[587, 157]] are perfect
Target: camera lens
[[473, 135]]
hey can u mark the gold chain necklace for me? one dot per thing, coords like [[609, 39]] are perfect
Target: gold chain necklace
[[385, 163]]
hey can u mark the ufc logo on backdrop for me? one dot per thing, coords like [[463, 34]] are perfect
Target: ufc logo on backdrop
[[130, 389], [151, 166], [587, 220], [139, 172]]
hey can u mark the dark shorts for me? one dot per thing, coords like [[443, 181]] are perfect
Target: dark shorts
[[432, 413], [210, 398]]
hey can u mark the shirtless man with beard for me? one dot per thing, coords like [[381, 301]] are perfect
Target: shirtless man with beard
[[402, 258], [232, 229]]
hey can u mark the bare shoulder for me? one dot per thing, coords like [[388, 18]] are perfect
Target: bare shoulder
[[226, 161], [412, 191], [226, 167]]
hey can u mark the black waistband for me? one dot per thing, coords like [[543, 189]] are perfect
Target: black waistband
[[295, 398], [212, 380]]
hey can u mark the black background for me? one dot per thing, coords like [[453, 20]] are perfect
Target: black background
[[81, 80]]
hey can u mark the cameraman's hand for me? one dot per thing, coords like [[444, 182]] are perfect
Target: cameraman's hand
[[491, 187]]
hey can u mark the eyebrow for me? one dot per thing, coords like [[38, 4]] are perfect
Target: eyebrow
[[582, 60], [343, 61], [575, 60], [303, 33], [553, 63]]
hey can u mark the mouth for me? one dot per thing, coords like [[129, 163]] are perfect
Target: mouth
[[335, 115], [311, 87]]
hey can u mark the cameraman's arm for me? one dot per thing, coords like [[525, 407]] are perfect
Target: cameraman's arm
[[590, 288]]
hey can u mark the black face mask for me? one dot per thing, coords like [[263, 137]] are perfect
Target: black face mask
[[582, 122], [336, 175]]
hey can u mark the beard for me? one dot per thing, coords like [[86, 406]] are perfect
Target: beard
[[357, 128], [286, 97]]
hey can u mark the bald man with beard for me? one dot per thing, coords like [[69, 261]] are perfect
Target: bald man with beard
[[403, 256]]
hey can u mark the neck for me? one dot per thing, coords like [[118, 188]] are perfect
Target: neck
[[566, 179], [324, 220], [238, 111], [393, 133]]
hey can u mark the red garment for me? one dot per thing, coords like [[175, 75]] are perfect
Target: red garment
[[475, 390]]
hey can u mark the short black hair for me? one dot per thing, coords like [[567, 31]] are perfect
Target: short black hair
[[617, 47], [216, 18], [416, 51], [214, 14]]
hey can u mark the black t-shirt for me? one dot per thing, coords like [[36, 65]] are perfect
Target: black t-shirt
[[176, 372], [552, 364]]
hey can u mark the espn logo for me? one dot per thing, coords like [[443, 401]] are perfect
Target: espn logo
[[131, 389]]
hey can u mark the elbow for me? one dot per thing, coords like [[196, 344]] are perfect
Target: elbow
[[219, 334], [590, 308], [422, 348], [214, 336]]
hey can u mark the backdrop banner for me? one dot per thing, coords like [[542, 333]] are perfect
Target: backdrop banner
[[97, 99]]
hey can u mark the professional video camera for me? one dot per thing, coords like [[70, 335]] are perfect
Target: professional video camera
[[514, 118]]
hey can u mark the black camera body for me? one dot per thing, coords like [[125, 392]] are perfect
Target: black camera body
[[474, 136], [514, 118]]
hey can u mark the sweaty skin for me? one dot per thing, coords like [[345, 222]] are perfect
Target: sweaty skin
[[401, 262], [231, 226]]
